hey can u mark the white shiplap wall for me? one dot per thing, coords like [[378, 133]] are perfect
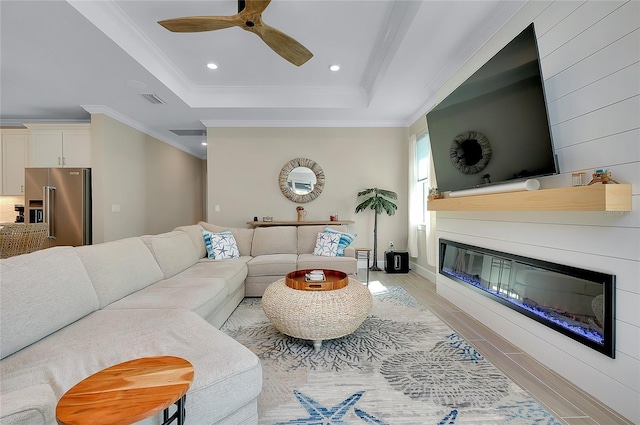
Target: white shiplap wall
[[590, 54]]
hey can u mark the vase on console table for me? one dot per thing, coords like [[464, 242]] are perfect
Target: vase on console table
[[301, 213]]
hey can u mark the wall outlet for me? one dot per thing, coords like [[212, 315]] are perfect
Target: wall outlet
[[391, 245]]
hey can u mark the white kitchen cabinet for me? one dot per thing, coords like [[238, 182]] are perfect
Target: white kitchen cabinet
[[60, 145], [45, 148], [15, 145]]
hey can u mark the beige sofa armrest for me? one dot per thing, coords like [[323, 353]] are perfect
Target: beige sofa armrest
[[350, 252], [33, 405]]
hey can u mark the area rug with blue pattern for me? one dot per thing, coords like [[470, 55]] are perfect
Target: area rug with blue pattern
[[403, 365]]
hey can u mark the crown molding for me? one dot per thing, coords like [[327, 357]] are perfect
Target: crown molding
[[101, 109], [399, 21], [22, 122], [51, 125], [303, 123], [109, 18]]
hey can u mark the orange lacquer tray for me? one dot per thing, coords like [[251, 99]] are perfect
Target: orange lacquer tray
[[333, 279]]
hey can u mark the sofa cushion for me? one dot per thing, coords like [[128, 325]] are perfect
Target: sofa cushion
[[307, 236], [227, 375], [256, 285], [232, 271], [200, 295], [195, 233], [173, 251], [349, 265], [220, 246], [275, 240], [40, 293], [327, 244], [118, 268], [244, 237], [33, 405], [272, 264]]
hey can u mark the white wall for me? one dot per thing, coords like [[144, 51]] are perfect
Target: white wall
[[591, 64], [155, 186], [175, 183], [119, 179], [244, 165]]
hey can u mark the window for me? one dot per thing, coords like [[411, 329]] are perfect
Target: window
[[422, 145], [422, 167]]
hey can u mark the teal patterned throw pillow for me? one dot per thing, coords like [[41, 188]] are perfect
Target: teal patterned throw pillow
[[221, 245], [327, 244], [345, 239]]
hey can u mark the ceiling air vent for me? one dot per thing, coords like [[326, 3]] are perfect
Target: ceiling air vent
[[153, 98], [190, 132]]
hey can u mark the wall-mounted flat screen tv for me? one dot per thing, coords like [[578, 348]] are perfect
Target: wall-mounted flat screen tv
[[494, 127]]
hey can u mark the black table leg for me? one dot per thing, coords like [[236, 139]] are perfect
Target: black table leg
[[179, 414]]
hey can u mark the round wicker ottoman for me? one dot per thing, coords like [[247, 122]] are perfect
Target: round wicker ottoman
[[317, 315]]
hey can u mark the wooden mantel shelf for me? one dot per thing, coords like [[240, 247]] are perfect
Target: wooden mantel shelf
[[296, 223], [597, 197]]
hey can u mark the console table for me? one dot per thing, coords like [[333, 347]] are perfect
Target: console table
[[297, 223]]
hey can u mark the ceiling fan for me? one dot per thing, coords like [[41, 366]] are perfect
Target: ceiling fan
[[249, 18]]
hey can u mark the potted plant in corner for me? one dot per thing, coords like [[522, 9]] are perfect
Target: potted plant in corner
[[377, 201]]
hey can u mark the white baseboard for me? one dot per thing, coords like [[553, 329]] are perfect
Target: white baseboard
[[362, 264], [426, 273]]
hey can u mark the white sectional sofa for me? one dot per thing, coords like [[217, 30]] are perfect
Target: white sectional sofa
[[66, 313]]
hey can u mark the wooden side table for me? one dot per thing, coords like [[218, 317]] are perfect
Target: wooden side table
[[367, 251], [129, 392]]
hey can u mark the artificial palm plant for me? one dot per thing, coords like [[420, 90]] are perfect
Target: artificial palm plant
[[377, 201]]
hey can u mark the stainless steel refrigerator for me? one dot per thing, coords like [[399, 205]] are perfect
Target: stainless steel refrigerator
[[60, 197]]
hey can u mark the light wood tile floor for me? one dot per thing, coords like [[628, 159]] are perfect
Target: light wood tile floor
[[566, 401]]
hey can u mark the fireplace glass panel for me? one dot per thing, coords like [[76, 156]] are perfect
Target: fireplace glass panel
[[576, 302]]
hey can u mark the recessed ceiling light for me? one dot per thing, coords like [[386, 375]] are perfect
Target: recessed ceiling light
[[334, 68], [212, 65], [204, 143]]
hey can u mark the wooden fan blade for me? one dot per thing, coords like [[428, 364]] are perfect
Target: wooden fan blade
[[284, 45], [255, 6], [199, 23]]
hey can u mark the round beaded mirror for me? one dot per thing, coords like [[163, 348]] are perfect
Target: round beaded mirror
[[301, 180]]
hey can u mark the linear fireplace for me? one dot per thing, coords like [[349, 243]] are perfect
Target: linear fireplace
[[578, 303]]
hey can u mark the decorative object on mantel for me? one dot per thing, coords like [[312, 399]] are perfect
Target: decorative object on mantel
[[470, 152], [267, 219], [602, 176], [578, 179], [378, 203], [301, 180], [434, 194], [301, 213]]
